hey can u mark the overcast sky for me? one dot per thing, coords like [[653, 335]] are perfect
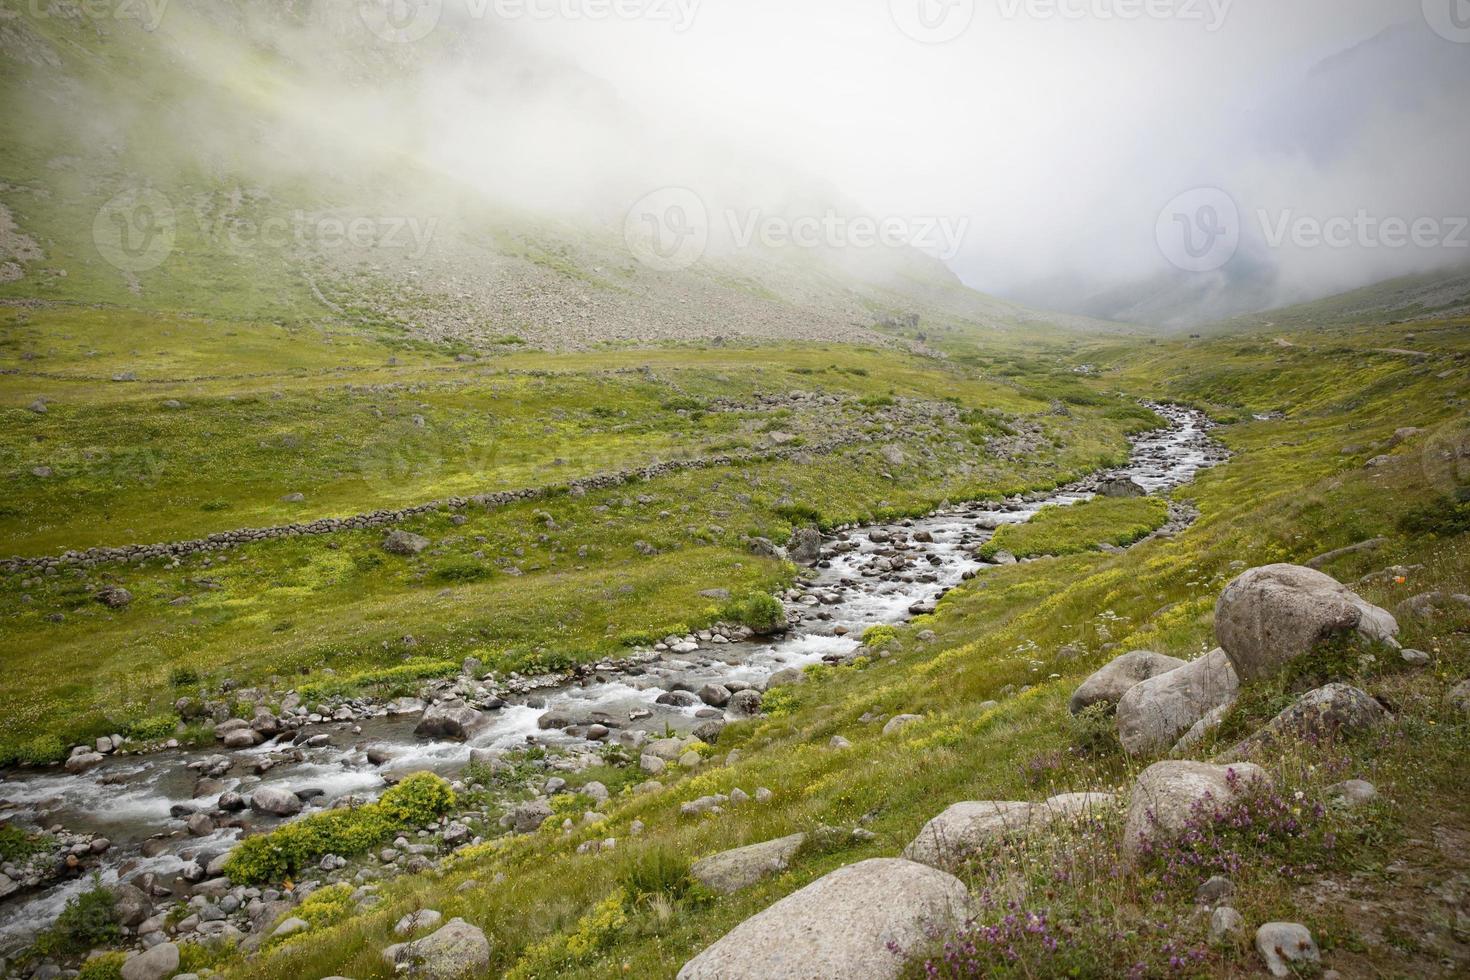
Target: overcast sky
[[1059, 133]]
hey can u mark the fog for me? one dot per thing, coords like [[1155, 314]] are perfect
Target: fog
[[1059, 136], [1151, 152]]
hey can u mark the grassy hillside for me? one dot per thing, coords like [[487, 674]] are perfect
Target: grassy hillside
[[992, 687]]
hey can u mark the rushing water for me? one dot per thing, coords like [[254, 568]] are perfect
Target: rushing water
[[867, 576]]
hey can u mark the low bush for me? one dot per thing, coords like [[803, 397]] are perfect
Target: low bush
[[417, 800], [756, 610], [152, 729], [89, 920]]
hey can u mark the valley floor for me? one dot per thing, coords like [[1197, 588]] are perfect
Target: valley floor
[[1344, 437]]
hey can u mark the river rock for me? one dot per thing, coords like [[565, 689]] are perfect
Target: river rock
[[404, 543], [715, 695], [275, 801], [1282, 944], [82, 761], [451, 720], [840, 925], [730, 871], [1120, 486], [157, 963], [1271, 615], [132, 905], [1166, 793], [1318, 715], [1152, 714], [805, 546], [745, 703], [1108, 685], [456, 950]]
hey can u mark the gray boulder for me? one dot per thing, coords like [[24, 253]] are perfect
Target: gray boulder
[[961, 830], [1120, 486], [1152, 714], [132, 904], [155, 964], [404, 543], [114, 597], [529, 816], [745, 703], [456, 950], [730, 871], [840, 925], [1271, 615], [275, 801], [1283, 944], [1318, 715], [1459, 697], [1108, 685], [417, 922], [450, 719], [805, 546], [1168, 794]]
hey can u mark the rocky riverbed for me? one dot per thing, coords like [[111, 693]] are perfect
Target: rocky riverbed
[[174, 814]]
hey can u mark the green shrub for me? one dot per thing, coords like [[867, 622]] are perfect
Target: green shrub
[[152, 729], [404, 674], [88, 921], [418, 799], [1444, 517], [757, 610], [108, 966], [183, 677], [1095, 731], [40, 751], [781, 701], [17, 845], [414, 802], [461, 569], [877, 636], [327, 906]]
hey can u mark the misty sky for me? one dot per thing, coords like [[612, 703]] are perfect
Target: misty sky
[[1060, 137]]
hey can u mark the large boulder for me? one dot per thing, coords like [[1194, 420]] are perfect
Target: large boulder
[[1273, 614], [456, 950], [1152, 714], [730, 871], [841, 925], [1169, 795], [805, 546], [1318, 715], [157, 963], [1109, 684], [404, 543], [1121, 486], [132, 904], [276, 801], [451, 720], [962, 829]]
